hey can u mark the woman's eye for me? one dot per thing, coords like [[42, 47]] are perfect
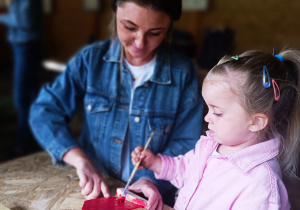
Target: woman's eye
[[129, 28], [154, 34]]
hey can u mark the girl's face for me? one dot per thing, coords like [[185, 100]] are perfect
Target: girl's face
[[141, 30], [227, 120]]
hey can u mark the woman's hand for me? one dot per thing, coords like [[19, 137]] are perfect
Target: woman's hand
[[90, 178], [147, 187], [149, 160]]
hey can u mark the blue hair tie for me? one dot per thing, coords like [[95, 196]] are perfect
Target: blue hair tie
[[278, 55]]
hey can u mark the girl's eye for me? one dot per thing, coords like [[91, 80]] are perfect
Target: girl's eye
[[218, 115]]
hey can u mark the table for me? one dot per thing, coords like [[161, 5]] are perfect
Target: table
[[33, 182]]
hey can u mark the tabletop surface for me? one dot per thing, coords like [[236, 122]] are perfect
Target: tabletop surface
[[33, 182]]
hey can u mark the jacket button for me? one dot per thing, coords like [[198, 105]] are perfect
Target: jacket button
[[137, 119], [89, 107]]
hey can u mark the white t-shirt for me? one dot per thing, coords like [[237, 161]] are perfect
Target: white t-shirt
[[140, 75]]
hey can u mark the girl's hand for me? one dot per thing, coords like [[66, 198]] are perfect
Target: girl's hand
[[135, 156], [90, 178], [147, 187], [149, 160]]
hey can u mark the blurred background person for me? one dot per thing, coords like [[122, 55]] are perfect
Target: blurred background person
[[24, 22]]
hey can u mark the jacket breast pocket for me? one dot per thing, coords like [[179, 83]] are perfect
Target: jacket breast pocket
[[97, 108], [161, 126]]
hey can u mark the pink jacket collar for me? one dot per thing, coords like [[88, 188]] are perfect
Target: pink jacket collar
[[246, 159]]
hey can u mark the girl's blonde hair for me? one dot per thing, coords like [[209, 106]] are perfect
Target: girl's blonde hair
[[245, 76]]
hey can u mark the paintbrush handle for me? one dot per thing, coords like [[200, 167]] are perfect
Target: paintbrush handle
[[136, 166], [148, 142]]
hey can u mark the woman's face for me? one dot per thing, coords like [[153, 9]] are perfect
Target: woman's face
[[141, 30]]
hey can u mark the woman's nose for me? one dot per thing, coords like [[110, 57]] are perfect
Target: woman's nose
[[140, 40]]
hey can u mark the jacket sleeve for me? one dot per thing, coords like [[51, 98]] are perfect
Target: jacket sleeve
[[174, 169], [187, 128], [55, 107], [264, 206]]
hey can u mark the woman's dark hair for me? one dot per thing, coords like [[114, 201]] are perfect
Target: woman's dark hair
[[171, 7]]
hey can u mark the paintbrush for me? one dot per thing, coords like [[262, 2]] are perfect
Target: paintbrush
[[135, 169]]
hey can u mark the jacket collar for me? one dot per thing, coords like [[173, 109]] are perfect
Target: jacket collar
[[114, 51], [162, 69], [248, 158]]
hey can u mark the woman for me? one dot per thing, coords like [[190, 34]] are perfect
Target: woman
[[130, 85]]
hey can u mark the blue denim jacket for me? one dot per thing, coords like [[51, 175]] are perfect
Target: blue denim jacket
[[24, 20], [170, 104]]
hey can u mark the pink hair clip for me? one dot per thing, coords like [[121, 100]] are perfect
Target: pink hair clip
[[276, 93]]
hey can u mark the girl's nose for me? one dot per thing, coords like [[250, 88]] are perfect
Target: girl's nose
[[208, 118]]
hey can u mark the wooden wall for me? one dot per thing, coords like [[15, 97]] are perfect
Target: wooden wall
[[258, 24], [69, 27]]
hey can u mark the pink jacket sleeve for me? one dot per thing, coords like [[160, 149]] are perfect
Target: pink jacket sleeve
[[174, 169]]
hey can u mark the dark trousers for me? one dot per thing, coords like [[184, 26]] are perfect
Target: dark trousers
[[27, 64]]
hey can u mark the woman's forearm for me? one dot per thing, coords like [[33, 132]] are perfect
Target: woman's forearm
[[75, 156]]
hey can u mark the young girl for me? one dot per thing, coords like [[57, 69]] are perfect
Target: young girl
[[253, 120]]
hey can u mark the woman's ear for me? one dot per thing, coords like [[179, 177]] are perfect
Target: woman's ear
[[259, 122]]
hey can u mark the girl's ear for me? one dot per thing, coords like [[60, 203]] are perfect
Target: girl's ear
[[259, 122]]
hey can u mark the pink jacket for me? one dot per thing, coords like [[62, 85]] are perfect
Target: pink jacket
[[248, 179]]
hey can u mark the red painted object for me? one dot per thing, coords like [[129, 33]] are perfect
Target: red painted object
[[132, 197], [111, 203]]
